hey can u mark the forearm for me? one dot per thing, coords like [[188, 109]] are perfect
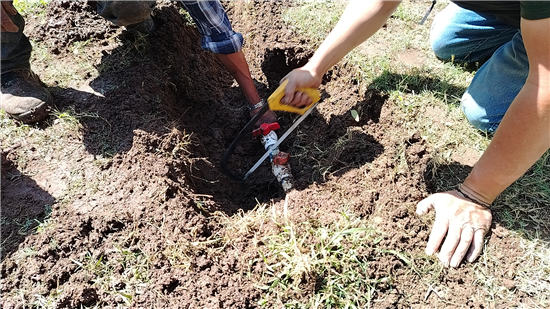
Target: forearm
[[218, 37], [238, 67], [524, 133], [360, 20], [522, 137]]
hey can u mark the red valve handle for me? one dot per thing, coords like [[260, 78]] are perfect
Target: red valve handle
[[265, 128]]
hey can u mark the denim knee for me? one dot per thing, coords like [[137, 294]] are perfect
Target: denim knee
[[466, 36], [496, 85], [477, 115], [440, 38], [441, 49]]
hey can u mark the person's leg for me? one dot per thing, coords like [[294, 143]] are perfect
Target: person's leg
[[496, 84], [131, 14], [15, 47], [466, 36], [23, 96]]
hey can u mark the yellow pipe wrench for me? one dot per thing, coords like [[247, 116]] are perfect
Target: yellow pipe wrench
[[274, 103]]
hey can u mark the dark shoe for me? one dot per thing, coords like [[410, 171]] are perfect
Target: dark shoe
[[147, 26], [24, 97]]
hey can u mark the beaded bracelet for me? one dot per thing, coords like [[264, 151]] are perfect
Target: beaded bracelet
[[473, 200]]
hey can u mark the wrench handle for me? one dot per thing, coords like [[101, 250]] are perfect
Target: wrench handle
[[275, 104]]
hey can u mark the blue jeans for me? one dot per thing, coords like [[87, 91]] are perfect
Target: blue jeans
[[15, 46], [469, 37]]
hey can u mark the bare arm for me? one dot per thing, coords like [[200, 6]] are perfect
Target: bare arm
[[360, 21], [238, 67], [521, 138], [524, 133]]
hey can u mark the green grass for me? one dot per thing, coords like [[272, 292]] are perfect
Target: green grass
[[534, 273], [67, 73], [311, 265], [336, 255], [314, 19], [31, 7], [121, 271], [524, 205], [314, 265], [49, 142]]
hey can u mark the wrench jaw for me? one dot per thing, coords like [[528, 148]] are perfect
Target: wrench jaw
[[280, 140], [271, 143], [229, 151]]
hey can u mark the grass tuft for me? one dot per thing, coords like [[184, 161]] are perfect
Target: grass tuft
[[314, 19], [31, 7], [328, 264], [534, 274], [123, 272]]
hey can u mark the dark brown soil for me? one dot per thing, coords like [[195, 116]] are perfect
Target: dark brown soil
[[146, 101]]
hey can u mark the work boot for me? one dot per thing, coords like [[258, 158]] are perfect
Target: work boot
[[24, 96]]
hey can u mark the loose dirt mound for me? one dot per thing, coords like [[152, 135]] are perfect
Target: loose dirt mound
[[166, 111]]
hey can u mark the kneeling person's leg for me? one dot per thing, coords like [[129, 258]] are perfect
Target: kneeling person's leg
[[496, 84], [23, 96], [466, 36]]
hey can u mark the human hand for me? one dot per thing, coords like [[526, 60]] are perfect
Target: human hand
[[268, 117], [465, 223], [301, 77], [7, 23]]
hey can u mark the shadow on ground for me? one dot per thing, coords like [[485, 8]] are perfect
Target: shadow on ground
[[25, 205]]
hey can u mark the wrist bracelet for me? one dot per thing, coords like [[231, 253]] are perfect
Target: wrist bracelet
[[471, 199], [257, 105]]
